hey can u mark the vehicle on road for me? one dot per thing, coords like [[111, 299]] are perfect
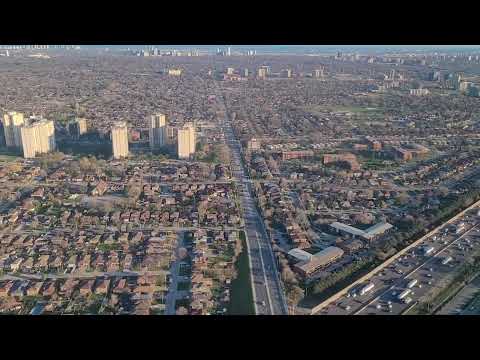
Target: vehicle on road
[[446, 260], [367, 288], [404, 294], [428, 250], [412, 283], [407, 300]]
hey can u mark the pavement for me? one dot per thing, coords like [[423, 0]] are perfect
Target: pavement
[[268, 293], [429, 271], [173, 294], [79, 275]]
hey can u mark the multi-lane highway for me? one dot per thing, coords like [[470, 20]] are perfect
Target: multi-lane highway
[[416, 274], [268, 294]]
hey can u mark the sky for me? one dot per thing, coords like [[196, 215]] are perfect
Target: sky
[[303, 49]]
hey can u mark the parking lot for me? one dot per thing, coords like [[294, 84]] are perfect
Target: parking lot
[[428, 263]]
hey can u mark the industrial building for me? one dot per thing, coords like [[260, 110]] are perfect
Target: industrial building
[[120, 140]]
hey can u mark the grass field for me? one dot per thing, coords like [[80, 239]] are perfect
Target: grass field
[[8, 158], [241, 300], [357, 110]]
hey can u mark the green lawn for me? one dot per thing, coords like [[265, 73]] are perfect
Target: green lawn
[[367, 110], [183, 286], [241, 300], [185, 271], [8, 158]]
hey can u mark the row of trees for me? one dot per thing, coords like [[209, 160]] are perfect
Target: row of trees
[[464, 275], [336, 279]]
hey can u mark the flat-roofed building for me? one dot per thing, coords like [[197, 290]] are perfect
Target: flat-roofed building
[[296, 154], [319, 260], [369, 234], [300, 254], [186, 141], [120, 140], [158, 131], [175, 72], [38, 138], [12, 123], [419, 92]]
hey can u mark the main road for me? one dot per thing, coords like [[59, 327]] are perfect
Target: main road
[[268, 292]]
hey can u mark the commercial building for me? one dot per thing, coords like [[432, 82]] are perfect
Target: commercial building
[[186, 141], [464, 86], [230, 71], [410, 151], [419, 92], [262, 73], [77, 127], [158, 131], [287, 73], [120, 140], [300, 254], [348, 158], [38, 138], [175, 72], [318, 73], [319, 260], [369, 234], [12, 123], [296, 154]]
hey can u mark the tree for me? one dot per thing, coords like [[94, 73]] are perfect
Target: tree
[[223, 153], [133, 191], [202, 209], [295, 294], [402, 198]]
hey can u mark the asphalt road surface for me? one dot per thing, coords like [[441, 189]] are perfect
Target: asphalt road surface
[[268, 293], [428, 269]]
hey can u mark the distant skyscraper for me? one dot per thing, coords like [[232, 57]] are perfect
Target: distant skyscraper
[[318, 73], [287, 73], [38, 138], [12, 122], [158, 131], [120, 140], [245, 72], [186, 141], [230, 71], [229, 52], [392, 74], [263, 71]]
